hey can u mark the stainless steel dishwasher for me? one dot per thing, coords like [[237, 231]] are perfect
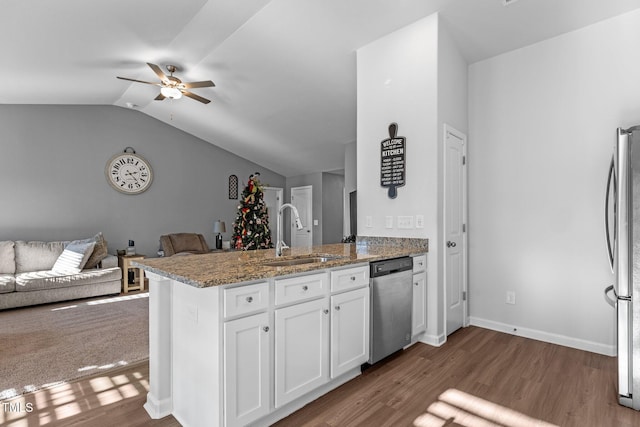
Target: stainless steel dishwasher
[[391, 304]]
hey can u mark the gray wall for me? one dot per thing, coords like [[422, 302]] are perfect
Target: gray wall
[[52, 182], [332, 207], [327, 205]]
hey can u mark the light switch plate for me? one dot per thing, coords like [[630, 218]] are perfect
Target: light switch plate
[[419, 221], [388, 221], [405, 222], [368, 221]]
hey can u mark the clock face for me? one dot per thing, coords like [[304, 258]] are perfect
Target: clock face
[[129, 173]]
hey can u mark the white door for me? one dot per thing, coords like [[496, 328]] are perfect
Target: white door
[[246, 369], [301, 349], [455, 242], [273, 200], [349, 331], [302, 199]]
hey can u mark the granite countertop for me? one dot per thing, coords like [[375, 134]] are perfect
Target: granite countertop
[[221, 268]]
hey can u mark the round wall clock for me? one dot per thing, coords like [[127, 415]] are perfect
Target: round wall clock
[[129, 172]]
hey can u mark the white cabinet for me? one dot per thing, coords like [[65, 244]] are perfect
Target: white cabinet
[[246, 369], [419, 311], [300, 288], [301, 349], [244, 300], [349, 330]]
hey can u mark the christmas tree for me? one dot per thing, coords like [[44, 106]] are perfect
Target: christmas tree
[[251, 228]]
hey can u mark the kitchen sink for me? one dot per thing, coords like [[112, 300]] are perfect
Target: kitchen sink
[[300, 260]]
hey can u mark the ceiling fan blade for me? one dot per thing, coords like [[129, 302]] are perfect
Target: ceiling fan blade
[[158, 72], [160, 97], [191, 85], [196, 97], [138, 81]]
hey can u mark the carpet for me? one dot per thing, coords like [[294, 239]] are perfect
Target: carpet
[[46, 345]]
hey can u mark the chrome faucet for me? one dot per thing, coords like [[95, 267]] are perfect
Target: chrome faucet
[[280, 244]]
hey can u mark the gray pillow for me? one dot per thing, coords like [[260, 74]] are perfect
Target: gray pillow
[[99, 251], [73, 258]]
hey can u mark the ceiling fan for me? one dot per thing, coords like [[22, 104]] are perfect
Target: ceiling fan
[[171, 86]]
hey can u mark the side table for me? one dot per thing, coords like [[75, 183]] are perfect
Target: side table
[[124, 262]]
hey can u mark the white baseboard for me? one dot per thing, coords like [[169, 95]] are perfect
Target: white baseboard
[[594, 347], [433, 340], [157, 408]]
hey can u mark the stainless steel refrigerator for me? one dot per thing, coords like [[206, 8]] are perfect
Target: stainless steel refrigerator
[[622, 229]]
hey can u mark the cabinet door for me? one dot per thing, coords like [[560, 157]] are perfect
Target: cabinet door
[[301, 349], [246, 369], [349, 331], [419, 312]]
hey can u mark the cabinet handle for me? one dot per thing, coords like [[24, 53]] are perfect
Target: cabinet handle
[[416, 283], [337, 308], [266, 329], [249, 299], [305, 288], [353, 278], [325, 311]]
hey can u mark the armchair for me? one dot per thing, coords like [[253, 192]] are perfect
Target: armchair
[[183, 243]]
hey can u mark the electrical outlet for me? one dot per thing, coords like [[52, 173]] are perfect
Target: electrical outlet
[[368, 221], [511, 297], [388, 221]]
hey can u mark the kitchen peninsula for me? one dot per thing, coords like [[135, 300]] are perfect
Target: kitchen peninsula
[[235, 339]]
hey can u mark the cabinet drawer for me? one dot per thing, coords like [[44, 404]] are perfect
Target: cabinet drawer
[[300, 288], [419, 263], [349, 278], [246, 299]]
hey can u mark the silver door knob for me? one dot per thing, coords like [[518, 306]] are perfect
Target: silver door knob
[[325, 311], [451, 244], [266, 329], [337, 308], [249, 299], [305, 288]]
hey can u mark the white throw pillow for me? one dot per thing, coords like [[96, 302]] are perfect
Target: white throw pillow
[[73, 258]]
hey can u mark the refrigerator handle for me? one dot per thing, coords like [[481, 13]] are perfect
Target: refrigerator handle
[[611, 302], [610, 180]]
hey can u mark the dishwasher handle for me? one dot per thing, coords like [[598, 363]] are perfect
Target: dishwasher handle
[[396, 265]]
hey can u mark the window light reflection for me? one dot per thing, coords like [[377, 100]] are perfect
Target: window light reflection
[[457, 408]]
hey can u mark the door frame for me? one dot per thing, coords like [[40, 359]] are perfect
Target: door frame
[[292, 228], [279, 192], [448, 129]]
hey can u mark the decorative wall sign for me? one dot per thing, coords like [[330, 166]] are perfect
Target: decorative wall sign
[[233, 187], [392, 161]]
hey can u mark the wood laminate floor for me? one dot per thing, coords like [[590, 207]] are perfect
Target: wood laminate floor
[[478, 378]]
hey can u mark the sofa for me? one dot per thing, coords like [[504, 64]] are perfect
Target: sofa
[[42, 272]]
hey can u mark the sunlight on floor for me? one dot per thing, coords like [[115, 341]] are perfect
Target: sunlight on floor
[[105, 301], [67, 400], [119, 298], [456, 408]]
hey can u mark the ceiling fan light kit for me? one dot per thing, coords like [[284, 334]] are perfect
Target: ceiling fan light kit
[[171, 92], [172, 87]]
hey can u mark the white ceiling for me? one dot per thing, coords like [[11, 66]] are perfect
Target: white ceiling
[[285, 70]]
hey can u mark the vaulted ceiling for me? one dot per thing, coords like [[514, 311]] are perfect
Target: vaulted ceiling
[[285, 70]]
